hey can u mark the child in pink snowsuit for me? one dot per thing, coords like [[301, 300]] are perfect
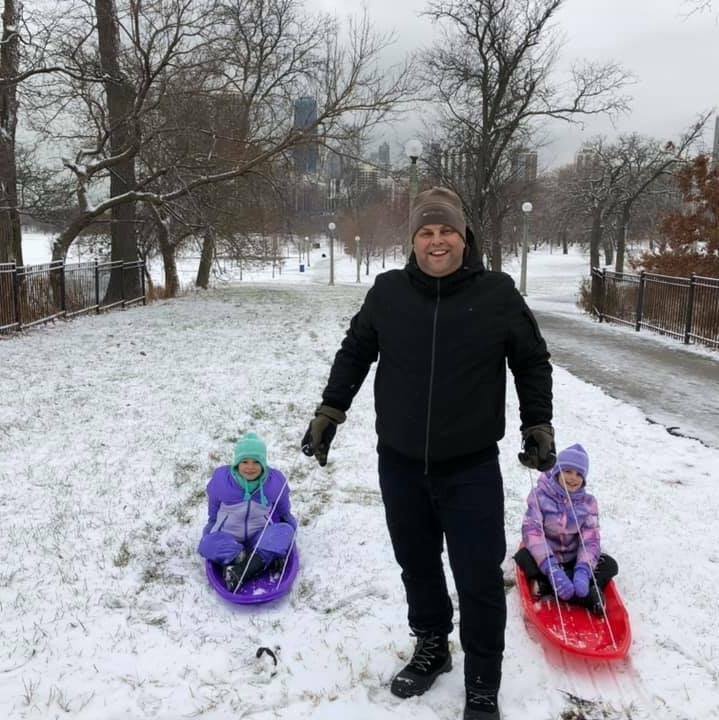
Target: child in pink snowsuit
[[560, 534], [249, 521]]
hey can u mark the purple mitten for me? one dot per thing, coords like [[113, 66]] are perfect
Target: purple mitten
[[582, 575], [560, 582]]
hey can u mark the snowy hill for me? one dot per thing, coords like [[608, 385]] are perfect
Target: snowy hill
[[109, 429]]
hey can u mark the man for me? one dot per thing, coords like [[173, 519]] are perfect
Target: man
[[444, 330]]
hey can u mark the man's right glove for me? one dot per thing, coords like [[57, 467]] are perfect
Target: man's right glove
[[539, 451], [560, 582], [321, 431]]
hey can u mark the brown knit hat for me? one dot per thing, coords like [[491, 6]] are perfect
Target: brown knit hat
[[437, 206]]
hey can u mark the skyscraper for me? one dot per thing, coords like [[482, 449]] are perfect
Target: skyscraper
[[305, 120], [383, 157]]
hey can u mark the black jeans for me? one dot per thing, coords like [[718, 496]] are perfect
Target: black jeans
[[466, 507]]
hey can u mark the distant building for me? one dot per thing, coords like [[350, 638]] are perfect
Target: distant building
[[585, 161], [383, 157], [524, 166], [305, 120]]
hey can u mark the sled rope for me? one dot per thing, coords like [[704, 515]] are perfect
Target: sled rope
[[259, 539], [591, 569], [533, 494]]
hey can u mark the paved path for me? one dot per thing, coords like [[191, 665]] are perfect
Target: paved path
[[671, 385]]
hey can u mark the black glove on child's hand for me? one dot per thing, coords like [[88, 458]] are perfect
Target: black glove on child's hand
[[321, 431], [539, 451]]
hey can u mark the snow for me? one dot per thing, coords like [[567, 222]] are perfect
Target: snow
[[110, 426]]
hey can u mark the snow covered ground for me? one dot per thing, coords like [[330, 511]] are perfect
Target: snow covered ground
[[109, 428]]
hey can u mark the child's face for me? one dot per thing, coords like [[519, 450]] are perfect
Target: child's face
[[570, 480], [250, 469]]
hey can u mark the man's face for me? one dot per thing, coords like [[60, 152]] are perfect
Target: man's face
[[439, 250]]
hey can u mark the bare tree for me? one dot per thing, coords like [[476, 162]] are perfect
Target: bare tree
[[10, 234], [644, 161], [261, 54], [491, 77]]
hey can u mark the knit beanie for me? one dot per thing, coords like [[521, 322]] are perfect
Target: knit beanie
[[575, 458], [437, 206], [251, 447]]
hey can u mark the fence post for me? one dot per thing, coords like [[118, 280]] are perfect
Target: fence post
[[603, 301], [640, 301], [97, 286], [142, 282], [63, 302], [122, 284], [690, 309], [16, 296]]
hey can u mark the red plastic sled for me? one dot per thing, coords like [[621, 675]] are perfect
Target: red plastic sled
[[574, 629]]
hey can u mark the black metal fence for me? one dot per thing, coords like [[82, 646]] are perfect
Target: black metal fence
[[33, 294], [684, 308]]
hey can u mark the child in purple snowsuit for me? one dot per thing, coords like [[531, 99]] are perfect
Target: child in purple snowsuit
[[560, 534], [241, 497]]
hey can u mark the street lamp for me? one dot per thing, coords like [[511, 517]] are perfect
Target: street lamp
[[359, 257], [526, 209], [331, 227], [413, 149], [307, 250]]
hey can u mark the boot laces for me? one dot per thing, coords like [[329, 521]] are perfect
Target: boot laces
[[425, 652], [482, 695]]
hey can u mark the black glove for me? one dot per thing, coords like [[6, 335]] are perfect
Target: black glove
[[539, 451], [321, 431]]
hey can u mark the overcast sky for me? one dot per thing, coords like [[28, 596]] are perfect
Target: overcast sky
[[674, 57]]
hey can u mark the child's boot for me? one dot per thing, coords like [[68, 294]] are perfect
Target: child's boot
[[242, 570], [431, 658], [595, 601]]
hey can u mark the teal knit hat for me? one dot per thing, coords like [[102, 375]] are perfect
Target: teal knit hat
[[251, 447]]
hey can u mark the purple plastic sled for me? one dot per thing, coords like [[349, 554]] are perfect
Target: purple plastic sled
[[262, 589]]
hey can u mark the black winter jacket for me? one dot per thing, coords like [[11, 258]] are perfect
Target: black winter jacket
[[443, 346]]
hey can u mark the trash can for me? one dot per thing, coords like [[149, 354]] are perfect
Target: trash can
[[302, 267]]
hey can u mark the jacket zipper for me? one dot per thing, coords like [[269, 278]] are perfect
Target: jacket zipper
[[247, 514], [431, 381]]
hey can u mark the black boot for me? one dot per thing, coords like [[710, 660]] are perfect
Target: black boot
[[431, 658], [595, 601], [481, 702], [243, 569]]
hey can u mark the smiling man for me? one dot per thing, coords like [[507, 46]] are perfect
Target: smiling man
[[443, 330]]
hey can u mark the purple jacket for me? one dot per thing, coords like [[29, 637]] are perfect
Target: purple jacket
[[549, 514], [226, 498]]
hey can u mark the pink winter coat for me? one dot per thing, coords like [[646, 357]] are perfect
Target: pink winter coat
[[549, 514]]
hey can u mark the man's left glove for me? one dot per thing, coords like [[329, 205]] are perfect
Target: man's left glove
[[321, 431], [539, 451]]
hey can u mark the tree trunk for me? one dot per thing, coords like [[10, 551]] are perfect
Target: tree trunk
[[608, 252], [565, 244], [120, 97], [169, 261], [206, 257], [495, 223], [622, 239], [595, 240], [10, 231]]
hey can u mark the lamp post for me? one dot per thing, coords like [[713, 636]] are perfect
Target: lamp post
[[307, 250], [526, 209], [359, 256], [331, 227], [413, 149]]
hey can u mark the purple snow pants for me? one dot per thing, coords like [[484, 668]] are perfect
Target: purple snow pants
[[222, 547]]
